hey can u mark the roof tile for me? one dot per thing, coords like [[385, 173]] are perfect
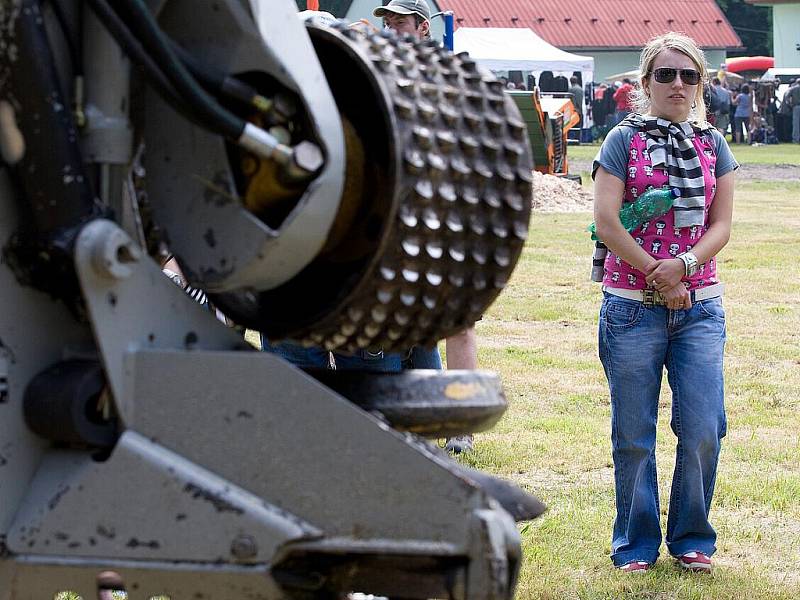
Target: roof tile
[[609, 24]]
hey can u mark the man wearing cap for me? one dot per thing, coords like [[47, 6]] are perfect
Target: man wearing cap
[[407, 17]]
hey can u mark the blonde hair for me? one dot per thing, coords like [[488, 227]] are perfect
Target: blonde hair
[[685, 45]]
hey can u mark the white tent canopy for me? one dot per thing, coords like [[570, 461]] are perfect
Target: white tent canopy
[[517, 49]]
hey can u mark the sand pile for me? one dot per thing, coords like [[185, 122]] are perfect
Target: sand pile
[[557, 194]]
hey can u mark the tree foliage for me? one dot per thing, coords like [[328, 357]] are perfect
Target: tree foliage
[[752, 23]]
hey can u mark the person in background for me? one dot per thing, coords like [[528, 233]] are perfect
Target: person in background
[[576, 91], [610, 105], [413, 17], [410, 17], [722, 74], [406, 17], [622, 100], [792, 99], [722, 106], [662, 305], [599, 111], [743, 101], [599, 91]]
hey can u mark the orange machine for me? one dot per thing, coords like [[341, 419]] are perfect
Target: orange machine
[[549, 117]]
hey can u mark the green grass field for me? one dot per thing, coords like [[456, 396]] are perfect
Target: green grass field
[[774, 154], [554, 440]]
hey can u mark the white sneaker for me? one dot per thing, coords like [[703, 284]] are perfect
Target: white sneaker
[[459, 444]]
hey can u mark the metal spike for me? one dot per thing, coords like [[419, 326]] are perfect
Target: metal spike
[[379, 313], [457, 252], [477, 223], [434, 278], [434, 249], [408, 297], [424, 189], [385, 295], [447, 192], [408, 216], [431, 219], [479, 254], [453, 222], [411, 246], [387, 274], [423, 136], [446, 140], [502, 256], [411, 276]]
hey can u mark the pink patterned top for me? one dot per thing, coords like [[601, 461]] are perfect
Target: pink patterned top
[[660, 238]]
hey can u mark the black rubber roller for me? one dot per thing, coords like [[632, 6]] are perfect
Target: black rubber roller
[[61, 404], [430, 403]]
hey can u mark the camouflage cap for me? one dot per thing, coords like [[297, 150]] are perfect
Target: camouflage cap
[[405, 7]]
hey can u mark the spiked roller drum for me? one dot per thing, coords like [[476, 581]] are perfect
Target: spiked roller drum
[[436, 203]]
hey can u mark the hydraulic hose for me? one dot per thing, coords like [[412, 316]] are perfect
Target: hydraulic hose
[[130, 44], [214, 116], [218, 82], [73, 41], [134, 50]]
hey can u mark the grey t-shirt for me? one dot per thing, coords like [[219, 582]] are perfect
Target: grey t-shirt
[[613, 154]]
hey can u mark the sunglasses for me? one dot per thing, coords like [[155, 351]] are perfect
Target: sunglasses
[[667, 75]]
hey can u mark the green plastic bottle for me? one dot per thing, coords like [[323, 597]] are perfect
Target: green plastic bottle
[[653, 203]]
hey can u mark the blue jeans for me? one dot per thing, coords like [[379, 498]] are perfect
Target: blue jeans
[[636, 343], [364, 360]]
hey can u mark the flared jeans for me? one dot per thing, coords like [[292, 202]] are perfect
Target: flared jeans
[[636, 342]]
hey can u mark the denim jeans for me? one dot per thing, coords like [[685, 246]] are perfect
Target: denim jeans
[[364, 360], [636, 343]]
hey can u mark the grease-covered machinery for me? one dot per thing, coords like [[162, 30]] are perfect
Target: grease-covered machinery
[[336, 188]]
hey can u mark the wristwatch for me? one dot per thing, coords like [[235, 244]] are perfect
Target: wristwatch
[[689, 263]]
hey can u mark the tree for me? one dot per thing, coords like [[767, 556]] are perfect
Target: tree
[[752, 23]]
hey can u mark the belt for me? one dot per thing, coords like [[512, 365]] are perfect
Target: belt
[[652, 297]]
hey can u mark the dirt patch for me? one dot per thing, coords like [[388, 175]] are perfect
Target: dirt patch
[[557, 194], [769, 172], [748, 171]]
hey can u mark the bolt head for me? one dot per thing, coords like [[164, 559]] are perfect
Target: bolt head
[[244, 547], [308, 157]]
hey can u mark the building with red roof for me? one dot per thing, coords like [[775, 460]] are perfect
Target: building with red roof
[[612, 31]]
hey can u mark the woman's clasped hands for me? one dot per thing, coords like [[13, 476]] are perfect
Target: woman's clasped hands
[[665, 276]]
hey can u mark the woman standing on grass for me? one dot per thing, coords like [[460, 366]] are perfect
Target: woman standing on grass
[[662, 304], [741, 117]]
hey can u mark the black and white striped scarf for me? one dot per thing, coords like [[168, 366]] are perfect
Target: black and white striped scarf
[[670, 145]]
